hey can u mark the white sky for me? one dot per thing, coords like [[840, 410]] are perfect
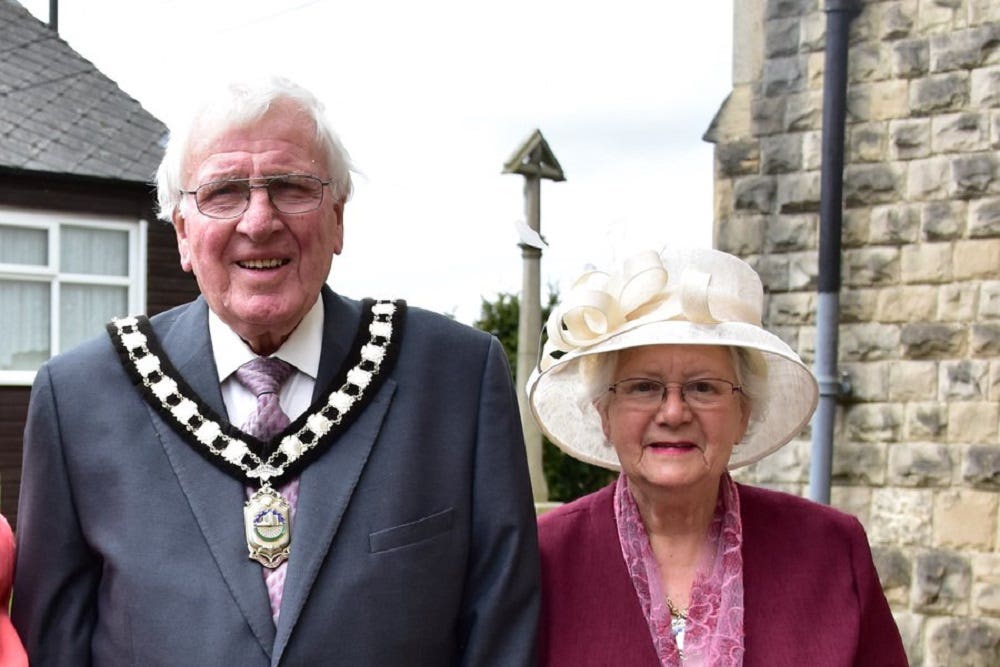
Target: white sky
[[432, 97]]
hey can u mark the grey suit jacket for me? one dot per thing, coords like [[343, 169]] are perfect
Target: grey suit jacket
[[414, 541]]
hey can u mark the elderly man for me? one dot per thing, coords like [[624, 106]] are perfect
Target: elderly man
[[274, 473]]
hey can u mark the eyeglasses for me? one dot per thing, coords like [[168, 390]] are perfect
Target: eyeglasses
[[647, 394], [289, 193]]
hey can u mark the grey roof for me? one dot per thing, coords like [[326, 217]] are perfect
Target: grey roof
[[59, 114]]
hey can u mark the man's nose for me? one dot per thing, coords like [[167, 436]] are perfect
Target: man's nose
[[260, 218]]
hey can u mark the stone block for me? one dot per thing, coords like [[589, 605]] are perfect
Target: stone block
[[869, 380], [781, 153], [798, 192], [974, 175], [928, 178], [859, 305], [871, 267], [787, 233], [773, 272], [815, 68], [973, 422], [854, 500], [963, 380], [960, 132], [868, 342], [858, 463], [792, 309], [754, 194], [984, 218], [935, 16], [804, 111], [867, 142], [738, 158], [939, 93], [995, 129], [943, 220], [989, 299], [867, 62], [984, 340], [901, 517], [782, 76], [741, 234], [909, 138], [984, 87], [871, 184], [921, 464], [781, 37], [874, 422], [981, 467], [806, 346], [722, 202], [803, 270], [894, 224], [788, 465], [925, 421], [812, 150], [957, 302], [968, 642], [911, 629], [895, 573], [976, 259], [767, 115], [889, 99], [854, 227], [983, 11], [942, 581], [932, 340], [906, 304], [812, 32], [913, 380], [965, 519], [910, 58], [896, 20], [964, 49], [781, 9], [926, 263], [986, 599]]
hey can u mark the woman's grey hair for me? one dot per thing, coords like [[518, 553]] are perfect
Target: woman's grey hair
[[239, 104], [597, 372]]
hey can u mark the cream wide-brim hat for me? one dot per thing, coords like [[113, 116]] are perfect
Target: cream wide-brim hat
[[676, 297]]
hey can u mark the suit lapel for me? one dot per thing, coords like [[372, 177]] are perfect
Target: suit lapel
[[216, 499], [327, 485]]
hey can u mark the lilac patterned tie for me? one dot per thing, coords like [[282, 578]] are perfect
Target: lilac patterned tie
[[264, 376]]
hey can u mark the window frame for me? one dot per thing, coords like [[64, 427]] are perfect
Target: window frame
[[53, 222]]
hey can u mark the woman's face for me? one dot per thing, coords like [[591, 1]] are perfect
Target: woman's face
[[669, 444]]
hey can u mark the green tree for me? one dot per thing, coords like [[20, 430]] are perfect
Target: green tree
[[567, 478]]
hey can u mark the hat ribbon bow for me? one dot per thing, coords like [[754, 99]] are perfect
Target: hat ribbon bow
[[600, 305]]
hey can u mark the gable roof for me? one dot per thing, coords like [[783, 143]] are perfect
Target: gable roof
[[59, 114]]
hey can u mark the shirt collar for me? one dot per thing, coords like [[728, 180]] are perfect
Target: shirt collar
[[301, 349]]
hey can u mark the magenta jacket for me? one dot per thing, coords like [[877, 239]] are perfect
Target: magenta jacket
[[811, 593]]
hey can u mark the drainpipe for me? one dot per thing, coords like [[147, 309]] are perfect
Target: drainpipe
[[54, 16], [839, 14]]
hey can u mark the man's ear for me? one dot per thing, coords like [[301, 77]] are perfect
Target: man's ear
[[183, 245]]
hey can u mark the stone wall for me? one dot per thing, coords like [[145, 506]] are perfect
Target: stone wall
[[917, 442]]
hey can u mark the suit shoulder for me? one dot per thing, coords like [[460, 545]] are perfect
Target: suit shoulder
[[438, 324], [566, 521], [768, 510]]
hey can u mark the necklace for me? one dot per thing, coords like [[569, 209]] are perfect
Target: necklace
[[266, 515], [678, 621]]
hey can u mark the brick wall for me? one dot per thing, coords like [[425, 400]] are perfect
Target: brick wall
[[917, 443]]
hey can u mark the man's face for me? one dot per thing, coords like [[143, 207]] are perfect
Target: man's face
[[262, 271]]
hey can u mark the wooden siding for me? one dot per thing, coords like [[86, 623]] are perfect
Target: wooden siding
[[166, 284]]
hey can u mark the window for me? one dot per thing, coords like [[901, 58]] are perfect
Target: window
[[62, 277]]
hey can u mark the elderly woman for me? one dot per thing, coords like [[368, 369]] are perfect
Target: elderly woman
[[664, 372]]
